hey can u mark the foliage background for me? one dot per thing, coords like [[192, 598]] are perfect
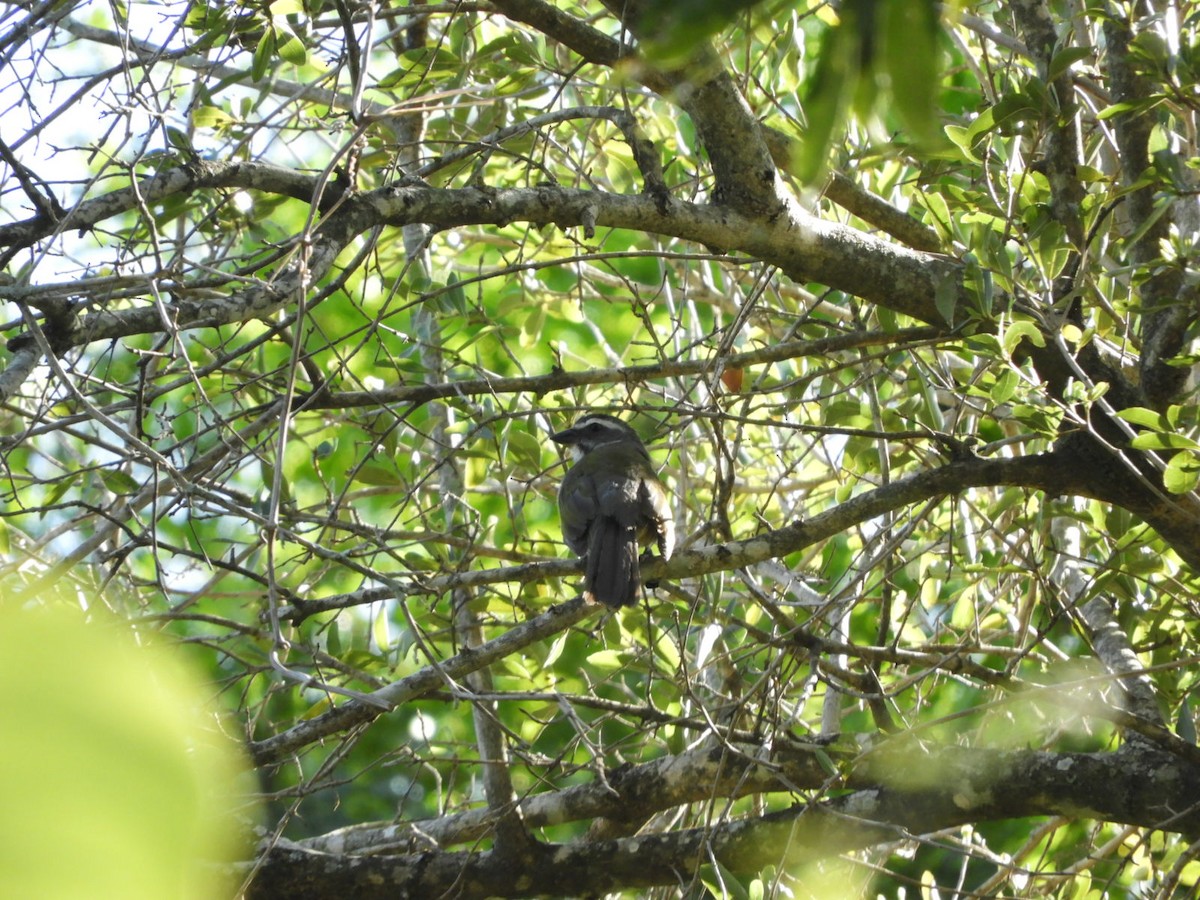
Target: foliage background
[[297, 291]]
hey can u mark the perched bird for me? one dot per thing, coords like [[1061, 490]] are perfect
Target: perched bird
[[610, 503]]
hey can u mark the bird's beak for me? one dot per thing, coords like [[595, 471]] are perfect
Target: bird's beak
[[566, 436]]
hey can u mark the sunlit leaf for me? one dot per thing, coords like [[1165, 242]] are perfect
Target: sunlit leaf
[[910, 33], [1065, 58], [289, 46], [1019, 331], [675, 28], [263, 53], [119, 482], [1182, 473], [153, 808], [378, 473], [826, 98]]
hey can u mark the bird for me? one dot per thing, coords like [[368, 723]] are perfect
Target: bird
[[610, 503]]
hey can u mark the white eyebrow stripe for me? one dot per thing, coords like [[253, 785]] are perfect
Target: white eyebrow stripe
[[599, 420]]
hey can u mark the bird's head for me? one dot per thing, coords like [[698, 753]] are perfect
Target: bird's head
[[594, 430]]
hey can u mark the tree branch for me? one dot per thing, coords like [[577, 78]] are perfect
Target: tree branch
[[626, 793], [904, 790], [804, 247]]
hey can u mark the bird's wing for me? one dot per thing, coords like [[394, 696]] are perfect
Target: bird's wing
[[577, 508]]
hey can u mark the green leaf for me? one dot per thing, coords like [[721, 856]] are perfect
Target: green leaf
[[836, 558], [164, 790], [1185, 724], [674, 30], [263, 54], [960, 137], [980, 126], [524, 449], [381, 474], [419, 65], [119, 482], [1009, 111], [450, 300], [531, 327], [825, 761], [1163, 440], [606, 659], [1152, 48], [1131, 107], [179, 139], [1022, 330], [1181, 473], [555, 651], [212, 117], [667, 651], [289, 46], [1043, 419], [912, 62], [939, 209], [1066, 58], [828, 95], [381, 631], [1161, 205], [1143, 417], [723, 883], [979, 281], [945, 298], [59, 487], [1005, 386], [1146, 418], [560, 279]]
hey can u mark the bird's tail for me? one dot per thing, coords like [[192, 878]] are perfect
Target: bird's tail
[[613, 577]]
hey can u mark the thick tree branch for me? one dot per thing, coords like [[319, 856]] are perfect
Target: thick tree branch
[[1113, 648], [1165, 312], [626, 793], [905, 789], [1062, 145], [1125, 478], [198, 175], [804, 247], [590, 43]]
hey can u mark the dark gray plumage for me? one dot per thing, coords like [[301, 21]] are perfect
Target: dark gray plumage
[[611, 502]]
